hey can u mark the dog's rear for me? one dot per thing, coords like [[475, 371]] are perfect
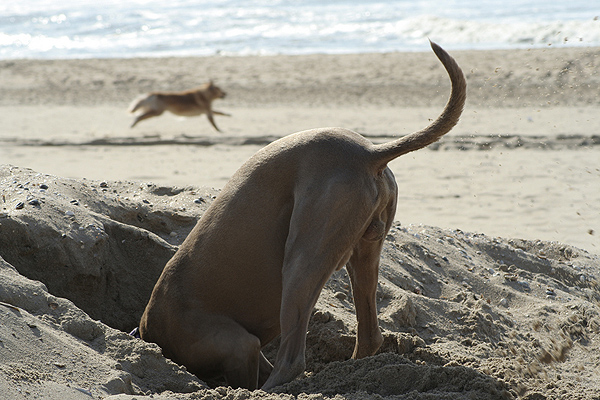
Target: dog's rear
[[144, 102], [255, 263]]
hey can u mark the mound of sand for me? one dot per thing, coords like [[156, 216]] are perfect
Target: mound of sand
[[464, 315]]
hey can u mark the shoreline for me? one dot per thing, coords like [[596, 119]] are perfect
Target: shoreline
[[217, 54]]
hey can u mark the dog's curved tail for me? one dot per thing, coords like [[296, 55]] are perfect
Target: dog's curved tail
[[386, 152]]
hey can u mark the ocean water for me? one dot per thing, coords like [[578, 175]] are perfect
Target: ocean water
[[65, 29]]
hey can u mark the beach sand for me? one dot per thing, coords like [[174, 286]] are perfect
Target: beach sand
[[490, 274], [538, 108]]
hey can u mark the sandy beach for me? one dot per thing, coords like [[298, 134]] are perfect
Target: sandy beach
[[490, 273], [538, 108]]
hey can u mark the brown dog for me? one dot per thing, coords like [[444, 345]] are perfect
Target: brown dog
[[254, 265], [188, 103]]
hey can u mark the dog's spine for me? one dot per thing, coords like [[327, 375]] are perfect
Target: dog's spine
[[386, 152]]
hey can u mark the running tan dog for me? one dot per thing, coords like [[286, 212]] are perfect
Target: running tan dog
[[188, 103], [254, 265]]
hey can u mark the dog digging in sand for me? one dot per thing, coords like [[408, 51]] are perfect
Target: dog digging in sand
[[255, 263], [188, 103]]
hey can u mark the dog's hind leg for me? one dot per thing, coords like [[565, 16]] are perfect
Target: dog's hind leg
[[220, 344], [242, 367], [316, 246], [303, 278], [363, 269], [146, 115]]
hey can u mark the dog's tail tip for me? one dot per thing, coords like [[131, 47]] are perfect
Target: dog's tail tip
[[434, 46], [438, 50]]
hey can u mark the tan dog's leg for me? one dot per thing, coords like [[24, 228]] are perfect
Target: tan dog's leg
[[314, 249], [146, 115], [304, 276], [363, 269], [221, 113]]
